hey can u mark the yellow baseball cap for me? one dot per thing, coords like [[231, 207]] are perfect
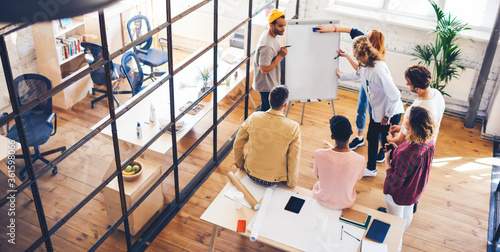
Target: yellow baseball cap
[[275, 14]]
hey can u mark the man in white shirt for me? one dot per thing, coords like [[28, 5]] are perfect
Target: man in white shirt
[[418, 79]]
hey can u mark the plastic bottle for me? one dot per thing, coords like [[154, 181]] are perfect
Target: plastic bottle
[[139, 130], [152, 114]]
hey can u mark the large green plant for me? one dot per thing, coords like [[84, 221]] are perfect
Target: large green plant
[[444, 52]]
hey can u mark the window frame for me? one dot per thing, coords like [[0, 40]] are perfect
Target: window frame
[[417, 18]]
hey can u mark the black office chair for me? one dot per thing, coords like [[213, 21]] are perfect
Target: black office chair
[[38, 121], [131, 67], [93, 53], [137, 26]]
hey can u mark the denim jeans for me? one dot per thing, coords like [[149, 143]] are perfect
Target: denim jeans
[[361, 113], [374, 129], [264, 104]]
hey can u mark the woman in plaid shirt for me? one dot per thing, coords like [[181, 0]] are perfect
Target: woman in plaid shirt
[[408, 169]]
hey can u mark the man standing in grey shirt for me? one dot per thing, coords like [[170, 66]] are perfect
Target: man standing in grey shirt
[[267, 58]]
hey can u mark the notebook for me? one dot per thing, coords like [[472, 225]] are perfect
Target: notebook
[[355, 217], [378, 230]]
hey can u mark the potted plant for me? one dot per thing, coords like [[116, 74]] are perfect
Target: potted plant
[[444, 52], [205, 77]]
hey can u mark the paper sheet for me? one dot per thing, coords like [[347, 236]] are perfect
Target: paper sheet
[[257, 190], [369, 246], [261, 214], [299, 230]]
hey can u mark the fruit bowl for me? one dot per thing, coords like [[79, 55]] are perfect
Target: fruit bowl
[[132, 174]]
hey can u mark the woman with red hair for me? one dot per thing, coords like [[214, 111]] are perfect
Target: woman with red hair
[[377, 40]]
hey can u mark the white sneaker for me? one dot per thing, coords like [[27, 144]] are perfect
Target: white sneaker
[[369, 173]]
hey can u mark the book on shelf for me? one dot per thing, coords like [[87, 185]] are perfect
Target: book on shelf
[[70, 46], [355, 218], [80, 39], [64, 22], [61, 51]]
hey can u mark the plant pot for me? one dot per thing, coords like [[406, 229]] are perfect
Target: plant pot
[[208, 97]]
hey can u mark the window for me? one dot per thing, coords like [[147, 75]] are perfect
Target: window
[[480, 14], [377, 4], [414, 7]]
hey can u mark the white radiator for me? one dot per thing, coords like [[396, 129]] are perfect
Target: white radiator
[[459, 89]]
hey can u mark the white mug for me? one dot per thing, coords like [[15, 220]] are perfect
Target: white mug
[[321, 222], [238, 200]]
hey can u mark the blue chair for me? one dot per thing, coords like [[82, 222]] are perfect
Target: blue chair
[[137, 26], [131, 67], [93, 54], [38, 121]]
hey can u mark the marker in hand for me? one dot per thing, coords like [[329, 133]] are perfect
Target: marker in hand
[[287, 46], [338, 55]]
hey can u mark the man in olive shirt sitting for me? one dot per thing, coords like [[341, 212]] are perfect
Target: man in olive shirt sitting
[[273, 143]]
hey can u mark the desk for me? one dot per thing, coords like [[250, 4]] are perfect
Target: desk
[[5, 146], [185, 90], [221, 213]]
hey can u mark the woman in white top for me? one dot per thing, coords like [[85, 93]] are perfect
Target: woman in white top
[[383, 96]]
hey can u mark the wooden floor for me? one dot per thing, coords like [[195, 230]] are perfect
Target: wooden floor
[[452, 214]]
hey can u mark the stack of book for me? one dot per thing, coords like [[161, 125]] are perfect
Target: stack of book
[[355, 218], [67, 47]]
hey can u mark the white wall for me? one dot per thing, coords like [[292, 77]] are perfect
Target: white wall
[[22, 57], [402, 39], [493, 124]]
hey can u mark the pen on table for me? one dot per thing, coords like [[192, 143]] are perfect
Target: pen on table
[[352, 236], [341, 232], [146, 122]]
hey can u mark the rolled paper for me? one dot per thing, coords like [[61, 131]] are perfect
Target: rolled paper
[[261, 214], [248, 196]]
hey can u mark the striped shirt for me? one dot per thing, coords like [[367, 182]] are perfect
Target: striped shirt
[[411, 164]]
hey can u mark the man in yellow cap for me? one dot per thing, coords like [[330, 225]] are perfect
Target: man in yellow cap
[[268, 56]]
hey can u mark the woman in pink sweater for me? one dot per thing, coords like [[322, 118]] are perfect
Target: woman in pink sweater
[[338, 169]]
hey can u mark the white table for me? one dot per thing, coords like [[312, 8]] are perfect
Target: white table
[[186, 89], [222, 213]]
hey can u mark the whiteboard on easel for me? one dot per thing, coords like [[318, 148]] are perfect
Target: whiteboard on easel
[[310, 65]]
